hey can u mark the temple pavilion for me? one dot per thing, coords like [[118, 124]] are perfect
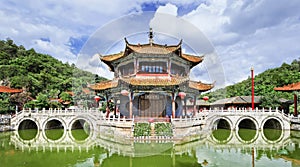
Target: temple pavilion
[[151, 80]]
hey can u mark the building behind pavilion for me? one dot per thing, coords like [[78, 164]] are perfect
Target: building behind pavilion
[[151, 80]]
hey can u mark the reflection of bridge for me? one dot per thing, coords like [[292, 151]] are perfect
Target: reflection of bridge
[[131, 148], [41, 143]]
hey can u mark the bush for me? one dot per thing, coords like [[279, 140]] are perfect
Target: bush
[[142, 129], [163, 129]]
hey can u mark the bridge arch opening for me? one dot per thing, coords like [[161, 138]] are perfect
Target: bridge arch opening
[[27, 129], [54, 129], [247, 130], [272, 130], [223, 124], [247, 124], [272, 124], [80, 129], [221, 131]]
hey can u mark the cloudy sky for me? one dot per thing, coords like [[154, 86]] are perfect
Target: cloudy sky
[[243, 33]]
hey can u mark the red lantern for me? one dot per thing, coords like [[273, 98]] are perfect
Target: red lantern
[[124, 92], [181, 95], [205, 98], [97, 98]]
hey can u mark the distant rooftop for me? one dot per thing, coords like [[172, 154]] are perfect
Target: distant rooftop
[[290, 87], [6, 89]]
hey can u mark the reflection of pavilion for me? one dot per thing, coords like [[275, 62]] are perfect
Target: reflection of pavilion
[[151, 80], [40, 142]]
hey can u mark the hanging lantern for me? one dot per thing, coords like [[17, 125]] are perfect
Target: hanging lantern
[[181, 95], [205, 98], [124, 92], [97, 98]]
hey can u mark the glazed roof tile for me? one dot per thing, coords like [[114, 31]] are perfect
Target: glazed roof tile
[[153, 49], [112, 57], [192, 58], [155, 81], [200, 86], [104, 85]]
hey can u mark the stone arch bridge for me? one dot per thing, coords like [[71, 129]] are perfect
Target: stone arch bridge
[[95, 121], [248, 119], [55, 118]]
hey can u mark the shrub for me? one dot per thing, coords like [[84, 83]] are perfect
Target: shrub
[[163, 129]]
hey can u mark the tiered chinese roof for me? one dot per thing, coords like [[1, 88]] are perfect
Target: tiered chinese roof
[[5, 89], [151, 48], [200, 86], [143, 80], [152, 81], [290, 87], [105, 85]]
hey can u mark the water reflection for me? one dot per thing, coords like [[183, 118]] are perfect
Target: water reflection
[[222, 136], [219, 148], [272, 135], [80, 135]]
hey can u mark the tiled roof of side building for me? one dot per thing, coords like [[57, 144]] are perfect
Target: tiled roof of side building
[[290, 87], [237, 100], [6, 89]]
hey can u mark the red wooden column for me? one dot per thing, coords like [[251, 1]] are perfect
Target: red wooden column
[[185, 107], [107, 105], [295, 105], [130, 104], [173, 105], [252, 78], [194, 106]]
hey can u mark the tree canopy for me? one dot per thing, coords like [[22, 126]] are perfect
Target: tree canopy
[[37, 74]]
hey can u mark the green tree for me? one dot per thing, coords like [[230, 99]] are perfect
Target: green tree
[[65, 96]]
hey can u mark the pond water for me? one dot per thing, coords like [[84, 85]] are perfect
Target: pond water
[[243, 148]]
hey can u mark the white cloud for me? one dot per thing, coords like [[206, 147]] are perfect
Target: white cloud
[[167, 9], [262, 33]]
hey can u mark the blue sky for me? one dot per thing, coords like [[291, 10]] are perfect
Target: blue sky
[[244, 33]]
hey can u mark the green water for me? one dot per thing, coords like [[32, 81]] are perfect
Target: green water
[[80, 135], [54, 134], [28, 134], [222, 148]]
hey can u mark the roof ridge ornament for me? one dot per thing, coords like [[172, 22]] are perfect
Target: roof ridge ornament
[[126, 40], [151, 36]]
